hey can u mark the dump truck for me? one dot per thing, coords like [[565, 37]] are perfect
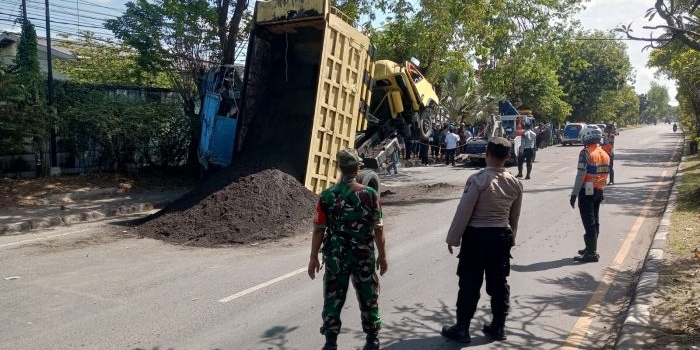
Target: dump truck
[[312, 86]]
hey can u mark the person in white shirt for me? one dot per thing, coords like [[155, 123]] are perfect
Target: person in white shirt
[[526, 151], [451, 140]]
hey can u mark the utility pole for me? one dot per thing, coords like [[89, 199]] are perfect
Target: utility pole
[[49, 65], [24, 11]]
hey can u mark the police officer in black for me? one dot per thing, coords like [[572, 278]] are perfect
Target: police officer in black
[[485, 224]]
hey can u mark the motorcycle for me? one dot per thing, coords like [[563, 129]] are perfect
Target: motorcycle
[[675, 127]]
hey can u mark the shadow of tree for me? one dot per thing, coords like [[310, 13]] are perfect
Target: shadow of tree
[[544, 265], [632, 199], [276, 337]]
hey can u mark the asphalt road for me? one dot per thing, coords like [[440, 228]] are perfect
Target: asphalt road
[[94, 286]]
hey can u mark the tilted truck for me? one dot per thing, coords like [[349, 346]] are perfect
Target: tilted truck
[[312, 87]]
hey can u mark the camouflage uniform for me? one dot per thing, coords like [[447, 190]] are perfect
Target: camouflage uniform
[[349, 218]]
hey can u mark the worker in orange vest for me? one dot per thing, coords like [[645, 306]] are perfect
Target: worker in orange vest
[[593, 168]]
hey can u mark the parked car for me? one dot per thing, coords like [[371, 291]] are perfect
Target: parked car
[[572, 134]]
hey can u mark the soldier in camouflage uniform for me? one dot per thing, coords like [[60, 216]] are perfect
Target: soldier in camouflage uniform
[[348, 224]]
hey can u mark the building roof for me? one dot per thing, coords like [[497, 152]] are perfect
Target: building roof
[[7, 38]]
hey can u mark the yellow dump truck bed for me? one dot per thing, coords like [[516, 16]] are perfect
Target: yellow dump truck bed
[[308, 74]]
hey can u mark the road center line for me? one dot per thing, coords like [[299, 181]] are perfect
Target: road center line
[[578, 332], [261, 285]]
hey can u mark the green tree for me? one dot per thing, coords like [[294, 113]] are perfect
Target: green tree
[[23, 113], [126, 131], [26, 64], [592, 67], [177, 38], [464, 99], [657, 105], [681, 63], [103, 62], [528, 78]]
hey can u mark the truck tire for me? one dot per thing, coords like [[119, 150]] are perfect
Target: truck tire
[[369, 178], [425, 121]]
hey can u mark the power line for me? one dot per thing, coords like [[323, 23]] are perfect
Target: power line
[[76, 8], [88, 3], [52, 21], [68, 31]]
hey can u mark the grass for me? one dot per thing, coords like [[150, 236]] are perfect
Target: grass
[[677, 308]]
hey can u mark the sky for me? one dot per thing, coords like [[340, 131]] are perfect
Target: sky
[[70, 15], [609, 14]]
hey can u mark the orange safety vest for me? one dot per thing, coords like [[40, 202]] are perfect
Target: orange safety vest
[[598, 166], [609, 143]]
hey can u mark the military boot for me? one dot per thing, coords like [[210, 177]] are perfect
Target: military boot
[[495, 331], [589, 254], [372, 342], [458, 332], [331, 342]]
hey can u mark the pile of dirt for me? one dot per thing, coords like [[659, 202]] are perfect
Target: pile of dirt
[[262, 205]]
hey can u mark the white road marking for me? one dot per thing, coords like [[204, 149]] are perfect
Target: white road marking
[[261, 285]]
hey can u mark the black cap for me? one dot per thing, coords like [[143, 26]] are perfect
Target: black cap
[[499, 147]]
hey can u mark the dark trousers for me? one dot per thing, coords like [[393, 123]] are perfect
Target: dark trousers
[[424, 153], [526, 157], [484, 251], [611, 175], [589, 207], [435, 150], [450, 156]]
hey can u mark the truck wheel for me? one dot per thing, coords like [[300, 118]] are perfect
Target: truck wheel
[[425, 121], [369, 178]]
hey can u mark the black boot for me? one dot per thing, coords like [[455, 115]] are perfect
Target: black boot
[[331, 342], [589, 254], [372, 342], [495, 331], [458, 332]]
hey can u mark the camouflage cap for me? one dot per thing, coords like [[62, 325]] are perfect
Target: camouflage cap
[[348, 157], [499, 147]]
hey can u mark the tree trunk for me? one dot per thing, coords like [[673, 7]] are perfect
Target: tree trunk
[[195, 125], [229, 46]]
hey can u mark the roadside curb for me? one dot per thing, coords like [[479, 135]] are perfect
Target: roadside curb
[[638, 318], [83, 216]]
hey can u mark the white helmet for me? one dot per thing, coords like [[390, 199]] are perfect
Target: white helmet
[[591, 136]]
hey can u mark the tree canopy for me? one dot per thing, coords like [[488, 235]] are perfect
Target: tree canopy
[[592, 68], [101, 61], [681, 63]]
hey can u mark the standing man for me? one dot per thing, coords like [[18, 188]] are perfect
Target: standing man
[[608, 146], [526, 151], [593, 164], [486, 222], [349, 224], [451, 140], [466, 135]]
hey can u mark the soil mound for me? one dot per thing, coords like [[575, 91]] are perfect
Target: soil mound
[[257, 206]]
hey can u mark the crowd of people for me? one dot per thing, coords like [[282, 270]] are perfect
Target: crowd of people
[[447, 141]]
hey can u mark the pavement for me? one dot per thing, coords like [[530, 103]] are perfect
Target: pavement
[[72, 208], [84, 206]]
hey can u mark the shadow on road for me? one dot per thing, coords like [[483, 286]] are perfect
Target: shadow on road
[[544, 265]]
